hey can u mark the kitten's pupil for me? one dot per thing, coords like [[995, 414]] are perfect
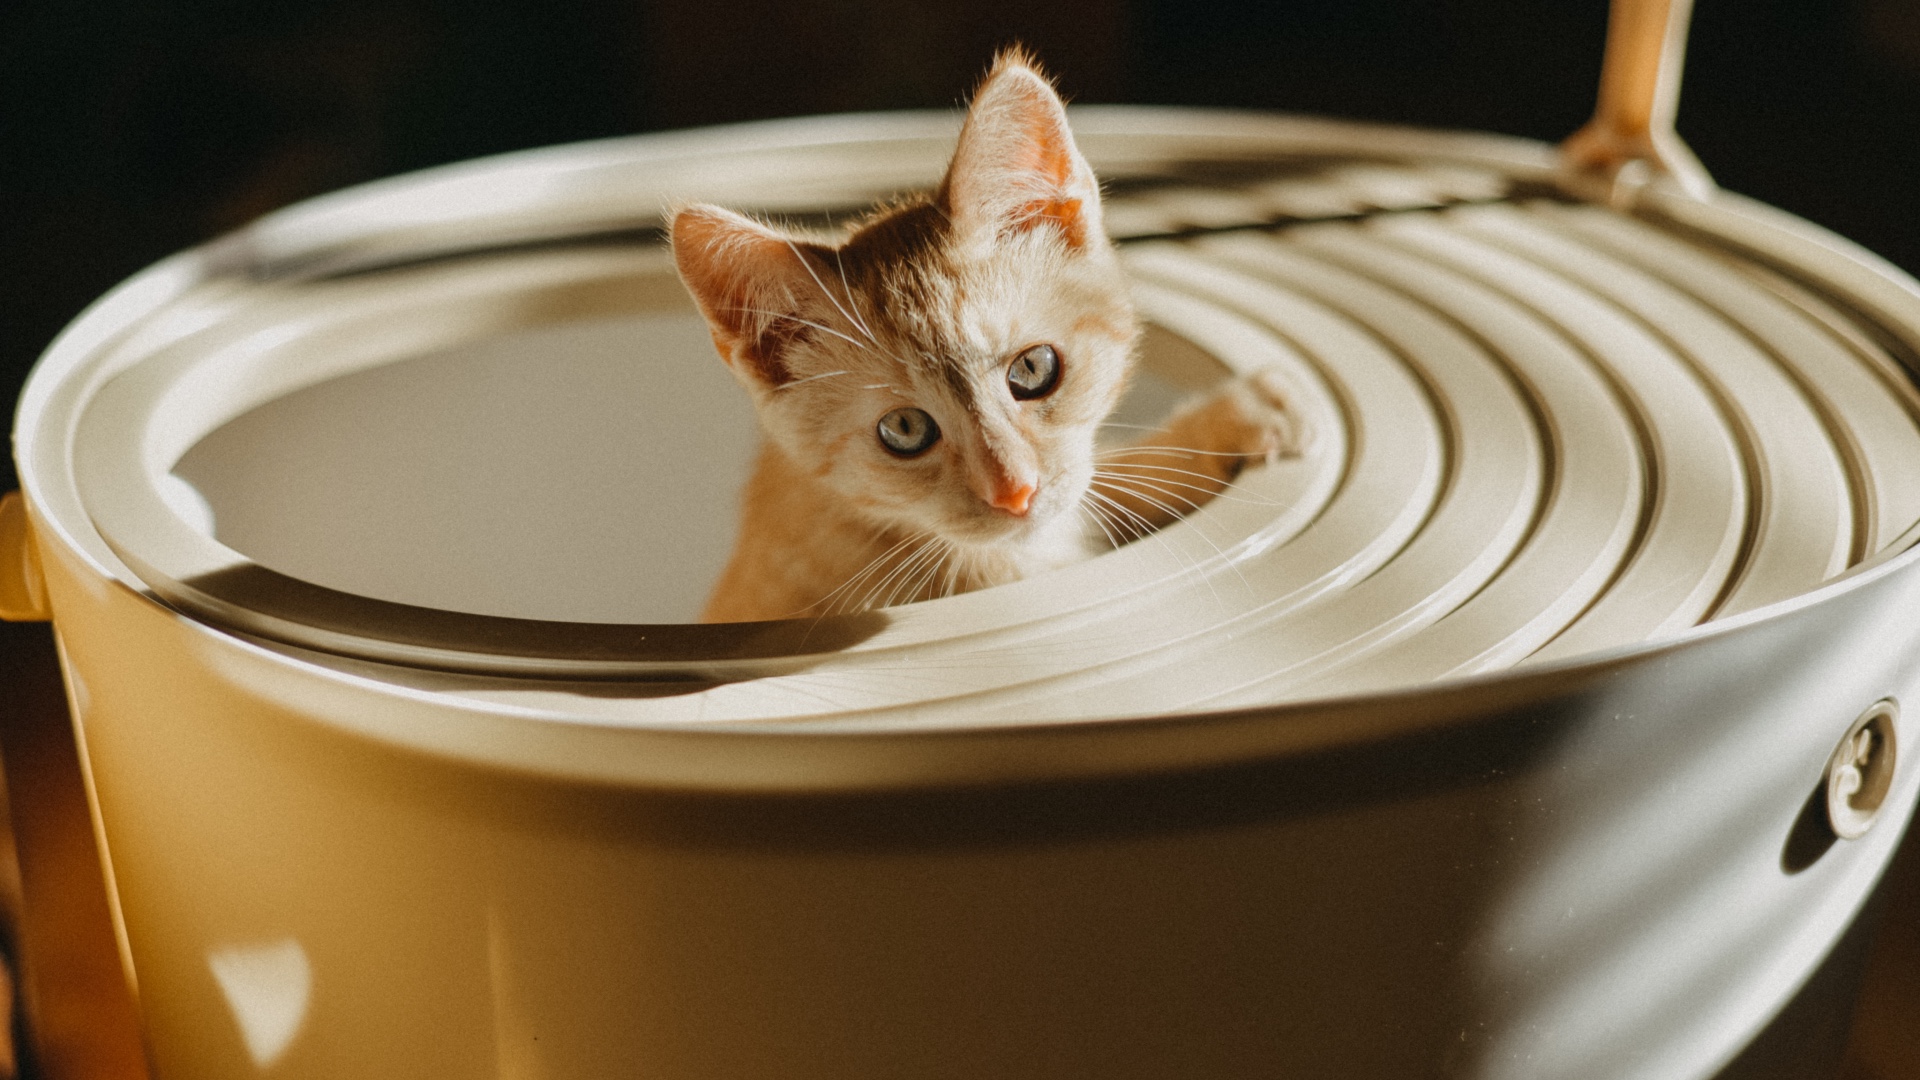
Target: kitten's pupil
[[908, 432], [1034, 373]]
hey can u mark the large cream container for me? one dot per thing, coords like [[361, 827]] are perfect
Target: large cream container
[[1543, 720]]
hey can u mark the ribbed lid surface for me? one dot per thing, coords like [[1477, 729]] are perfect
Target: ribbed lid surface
[[1543, 428]]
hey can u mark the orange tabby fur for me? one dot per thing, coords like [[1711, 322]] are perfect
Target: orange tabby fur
[[924, 308]]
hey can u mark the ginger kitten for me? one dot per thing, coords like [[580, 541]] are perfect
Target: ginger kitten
[[930, 388]]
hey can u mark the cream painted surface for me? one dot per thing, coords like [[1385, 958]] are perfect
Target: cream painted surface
[[328, 867], [460, 919]]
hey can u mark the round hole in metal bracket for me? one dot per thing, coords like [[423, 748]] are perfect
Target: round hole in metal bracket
[[1860, 772]]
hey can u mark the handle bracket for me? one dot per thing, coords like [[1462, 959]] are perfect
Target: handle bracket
[[1631, 134]]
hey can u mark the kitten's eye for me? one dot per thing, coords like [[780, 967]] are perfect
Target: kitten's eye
[[1034, 373], [908, 432]]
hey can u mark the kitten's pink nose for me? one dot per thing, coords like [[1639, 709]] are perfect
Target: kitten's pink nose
[[1012, 496]]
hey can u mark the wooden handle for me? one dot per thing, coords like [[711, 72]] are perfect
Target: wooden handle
[[1639, 97]]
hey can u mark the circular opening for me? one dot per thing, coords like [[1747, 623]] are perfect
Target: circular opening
[[583, 471]]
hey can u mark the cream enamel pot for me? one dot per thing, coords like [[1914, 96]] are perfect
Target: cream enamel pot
[[1511, 731]]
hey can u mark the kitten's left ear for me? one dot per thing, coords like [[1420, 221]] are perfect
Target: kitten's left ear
[[1016, 167]]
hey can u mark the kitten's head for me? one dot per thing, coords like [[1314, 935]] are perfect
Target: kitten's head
[[945, 368]]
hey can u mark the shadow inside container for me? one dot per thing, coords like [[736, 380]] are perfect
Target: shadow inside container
[[279, 607]]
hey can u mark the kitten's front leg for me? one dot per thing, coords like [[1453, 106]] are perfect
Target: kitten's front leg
[[1180, 466]]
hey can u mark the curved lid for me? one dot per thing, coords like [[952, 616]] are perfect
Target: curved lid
[[1544, 428]]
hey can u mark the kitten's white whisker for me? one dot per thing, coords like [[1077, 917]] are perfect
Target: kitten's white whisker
[[868, 600], [1124, 517], [883, 591], [1149, 500], [1135, 520], [872, 565], [880, 592], [1128, 531], [831, 299], [1117, 536], [942, 563], [929, 571], [1183, 451], [822, 327], [1147, 529], [883, 594], [1139, 485], [953, 575], [1146, 525], [1206, 492], [907, 587], [1164, 469], [808, 379], [1110, 510], [836, 602], [1092, 516], [1133, 490], [860, 321], [1192, 564], [1216, 489], [950, 581]]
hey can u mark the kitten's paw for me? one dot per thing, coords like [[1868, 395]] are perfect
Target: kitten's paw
[[1253, 418]]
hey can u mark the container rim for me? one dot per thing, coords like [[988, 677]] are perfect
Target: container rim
[[311, 234]]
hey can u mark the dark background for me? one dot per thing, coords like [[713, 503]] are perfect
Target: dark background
[[132, 128]]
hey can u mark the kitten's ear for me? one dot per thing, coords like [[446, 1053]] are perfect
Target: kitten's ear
[[749, 281], [1016, 167]]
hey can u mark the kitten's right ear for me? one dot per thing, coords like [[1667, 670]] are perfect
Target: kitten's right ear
[[749, 282], [1017, 168]]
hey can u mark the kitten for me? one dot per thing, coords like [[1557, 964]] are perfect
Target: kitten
[[929, 389]]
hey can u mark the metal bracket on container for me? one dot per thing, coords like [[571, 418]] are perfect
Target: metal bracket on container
[[1860, 772], [23, 591], [1630, 142]]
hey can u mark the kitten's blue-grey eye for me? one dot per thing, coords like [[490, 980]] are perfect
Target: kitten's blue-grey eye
[[1034, 373], [908, 432]]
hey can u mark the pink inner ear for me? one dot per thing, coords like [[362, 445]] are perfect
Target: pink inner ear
[[1016, 167], [1049, 146], [1063, 214], [1049, 159]]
